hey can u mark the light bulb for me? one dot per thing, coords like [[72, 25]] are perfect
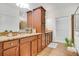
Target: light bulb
[[23, 5]]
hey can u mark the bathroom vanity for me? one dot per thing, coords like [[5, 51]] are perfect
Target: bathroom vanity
[[27, 44], [24, 44]]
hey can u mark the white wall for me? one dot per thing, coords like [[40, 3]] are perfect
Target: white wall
[[65, 9], [9, 17]]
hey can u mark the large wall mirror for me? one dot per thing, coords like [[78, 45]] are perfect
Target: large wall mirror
[[9, 17]]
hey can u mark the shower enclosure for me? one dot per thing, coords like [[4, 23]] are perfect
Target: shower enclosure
[[76, 31], [63, 28]]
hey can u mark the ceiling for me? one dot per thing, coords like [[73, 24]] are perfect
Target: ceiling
[[54, 9]]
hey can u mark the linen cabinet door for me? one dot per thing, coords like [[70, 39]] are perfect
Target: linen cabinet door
[[29, 18], [37, 20]]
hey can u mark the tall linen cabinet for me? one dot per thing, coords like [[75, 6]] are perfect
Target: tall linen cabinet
[[36, 19]]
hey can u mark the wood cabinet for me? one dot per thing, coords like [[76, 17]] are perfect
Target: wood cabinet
[[39, 41], [34, 47], [25, 47], [0, 49], [29, 18], [43, 41], [48, 37], [36, 19], [11, 48], [0, 52], [9, 44], [39, 19]]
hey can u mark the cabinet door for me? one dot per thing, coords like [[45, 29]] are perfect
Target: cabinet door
[[37, 19], [29, 18], [42, 20], [11, 52], [39, 44], [46, 36], [25, 49], [50, 37], [34, 47], [0, 52], [43, 41], [43, 27], [0, 49]]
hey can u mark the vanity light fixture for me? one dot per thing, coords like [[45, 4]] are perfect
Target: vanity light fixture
[[23, 5]]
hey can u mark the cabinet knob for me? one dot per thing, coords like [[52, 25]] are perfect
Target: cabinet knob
[[11, 44]]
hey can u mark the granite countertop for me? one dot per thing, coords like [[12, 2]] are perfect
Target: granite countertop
[[18, 36]]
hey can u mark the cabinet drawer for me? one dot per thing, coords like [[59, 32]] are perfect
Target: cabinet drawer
[[9, 44], [34, 37], [24, 40]]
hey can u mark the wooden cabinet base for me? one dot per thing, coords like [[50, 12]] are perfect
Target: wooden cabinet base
[[26, 46]]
